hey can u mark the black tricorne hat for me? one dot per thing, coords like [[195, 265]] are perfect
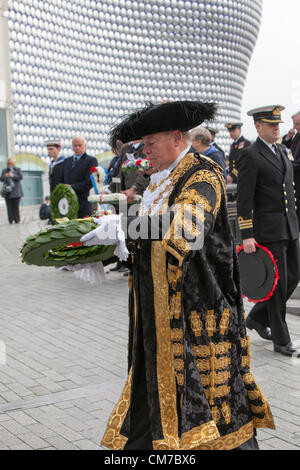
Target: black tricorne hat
[[259, 273], [168, 116]]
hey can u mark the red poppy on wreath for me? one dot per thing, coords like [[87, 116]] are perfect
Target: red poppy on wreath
[[74, 245], [138, 162], [93, 169]]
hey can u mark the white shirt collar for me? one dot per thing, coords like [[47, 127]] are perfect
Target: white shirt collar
[[268, 144]]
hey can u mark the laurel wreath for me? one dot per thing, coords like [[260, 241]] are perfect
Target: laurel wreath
[[60, 245], [62, 191]]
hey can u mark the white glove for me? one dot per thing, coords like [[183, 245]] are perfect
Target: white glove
[[105, 234], [109, 232]]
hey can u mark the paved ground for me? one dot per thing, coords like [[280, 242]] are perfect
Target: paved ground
[[63, 347]]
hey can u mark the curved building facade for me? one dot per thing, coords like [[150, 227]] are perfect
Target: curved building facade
[[76, 67]]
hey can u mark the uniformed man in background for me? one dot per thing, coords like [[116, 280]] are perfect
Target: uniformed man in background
[[213, 132], [267, 216], [292, 142], [238, 145], [55, 166]]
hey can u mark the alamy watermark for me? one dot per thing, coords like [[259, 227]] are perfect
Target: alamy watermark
[[2, 353], [180, 222]]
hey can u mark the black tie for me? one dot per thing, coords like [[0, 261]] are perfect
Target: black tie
[[276, 150], [278, 154]]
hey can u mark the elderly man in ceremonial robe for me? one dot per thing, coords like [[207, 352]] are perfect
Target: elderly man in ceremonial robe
[[189, 384]]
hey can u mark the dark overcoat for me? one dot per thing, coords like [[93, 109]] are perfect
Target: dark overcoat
[[266, 195], [78, 175], [17, 190], [236, 149]]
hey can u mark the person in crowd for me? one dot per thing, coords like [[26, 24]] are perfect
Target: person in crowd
[[238, 145], [45, 210], [292, 142], [12, 190], [189, 384], [130, 183], [201, 139], [55, 167], [213, 132], [227, 163], [122, 181], [76, 172], [139, 186], [267, 216], [133, 151], [111, 168]]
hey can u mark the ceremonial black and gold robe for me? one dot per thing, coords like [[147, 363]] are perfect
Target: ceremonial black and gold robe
[[189, 378]]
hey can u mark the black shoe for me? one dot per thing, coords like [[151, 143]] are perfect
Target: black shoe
[[263, 331], [287, 350], [116, 268], [126, 274], [123, 269]]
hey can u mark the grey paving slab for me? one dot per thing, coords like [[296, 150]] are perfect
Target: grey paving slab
[[66, 348]]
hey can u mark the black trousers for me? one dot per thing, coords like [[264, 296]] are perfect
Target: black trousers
[[272, 313], [13, 213]]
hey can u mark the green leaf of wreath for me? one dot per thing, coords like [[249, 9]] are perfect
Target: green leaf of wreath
[[62, 191], [49, 247]]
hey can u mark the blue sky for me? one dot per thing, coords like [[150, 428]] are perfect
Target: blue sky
[[274, 72]]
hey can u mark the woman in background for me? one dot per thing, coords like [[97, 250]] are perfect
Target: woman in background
[[12, 190]]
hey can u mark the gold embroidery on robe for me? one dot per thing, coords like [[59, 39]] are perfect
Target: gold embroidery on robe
[[196, 324], [175, 306], [203, 350], [206, 176], [215, 414], [112, 438], [216, 378], [226, 412], [174, 274], [210, 322], [176, 334], [224, 322], [177, 349], [230, 441], [191, 196], [165, 372]]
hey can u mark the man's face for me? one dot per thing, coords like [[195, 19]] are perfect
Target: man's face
[[268, 131], [162, 148], [53, 151], [79, 146], [296, 122], [235, 133]]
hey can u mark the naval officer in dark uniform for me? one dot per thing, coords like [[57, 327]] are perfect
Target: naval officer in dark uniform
[[238, 145], [267, 215]]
